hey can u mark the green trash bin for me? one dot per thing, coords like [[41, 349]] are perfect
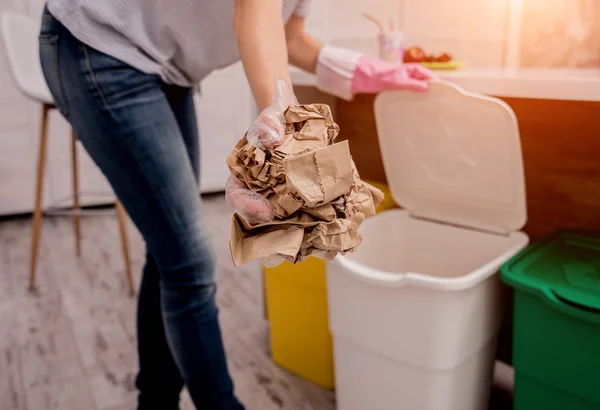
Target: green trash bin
[[556, 349]]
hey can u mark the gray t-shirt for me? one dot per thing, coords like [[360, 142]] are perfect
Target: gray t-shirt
[[180, 40]]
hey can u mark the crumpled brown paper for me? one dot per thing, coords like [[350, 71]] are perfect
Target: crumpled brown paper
[[313, 186]]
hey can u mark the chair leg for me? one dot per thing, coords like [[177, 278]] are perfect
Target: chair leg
[[121, 217], [76, 207], [39, 193]]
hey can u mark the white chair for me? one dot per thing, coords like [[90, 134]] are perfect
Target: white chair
[[20, 34]]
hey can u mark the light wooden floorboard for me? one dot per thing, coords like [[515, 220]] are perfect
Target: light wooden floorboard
[[71, 344]]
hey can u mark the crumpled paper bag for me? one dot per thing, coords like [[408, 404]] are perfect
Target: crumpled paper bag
[[313, 186]]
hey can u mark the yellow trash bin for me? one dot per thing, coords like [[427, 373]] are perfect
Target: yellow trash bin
[[297, 311], [296, 304]]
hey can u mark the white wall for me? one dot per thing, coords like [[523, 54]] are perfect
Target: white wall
[[471, 30], [561, 34]]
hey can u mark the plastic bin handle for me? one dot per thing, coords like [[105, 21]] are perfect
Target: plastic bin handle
[[572, 308]]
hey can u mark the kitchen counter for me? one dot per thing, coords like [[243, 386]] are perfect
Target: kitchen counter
[[553, 84]]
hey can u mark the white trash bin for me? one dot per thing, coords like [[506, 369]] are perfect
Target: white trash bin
[[415, 312]]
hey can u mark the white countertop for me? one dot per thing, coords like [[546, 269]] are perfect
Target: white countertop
[[554, 84]]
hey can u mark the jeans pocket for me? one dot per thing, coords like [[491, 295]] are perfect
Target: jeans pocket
[[49, 43]]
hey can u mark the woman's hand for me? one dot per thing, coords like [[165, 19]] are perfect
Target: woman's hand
[[373, 76], [254, 207], [266, 131]]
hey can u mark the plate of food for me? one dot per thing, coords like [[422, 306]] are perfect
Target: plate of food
[[442, 61]]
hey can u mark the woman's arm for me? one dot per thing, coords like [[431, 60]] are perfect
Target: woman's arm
[[261, 39], [303, 49]]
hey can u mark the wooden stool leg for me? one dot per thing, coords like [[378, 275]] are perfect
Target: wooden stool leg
[[39, 193], [121, 217], [76, 206]]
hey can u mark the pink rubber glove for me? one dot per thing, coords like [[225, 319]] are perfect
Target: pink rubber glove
[[344, 73], [266, 131], [373, 76]]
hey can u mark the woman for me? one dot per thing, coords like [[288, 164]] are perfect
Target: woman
[[123, 72]]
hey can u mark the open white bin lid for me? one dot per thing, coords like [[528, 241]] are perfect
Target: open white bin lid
[[453, 157]]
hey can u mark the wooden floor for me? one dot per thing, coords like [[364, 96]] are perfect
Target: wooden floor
[[71, 345]]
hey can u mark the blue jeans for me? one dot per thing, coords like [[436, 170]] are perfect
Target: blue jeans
[[143, 135]]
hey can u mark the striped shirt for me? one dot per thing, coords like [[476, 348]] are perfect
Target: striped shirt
[[180, 40]]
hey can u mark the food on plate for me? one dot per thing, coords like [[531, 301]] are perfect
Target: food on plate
[[416, 54], [444, 58]]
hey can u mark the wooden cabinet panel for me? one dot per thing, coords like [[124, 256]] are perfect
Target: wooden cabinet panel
[[561, 151]]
